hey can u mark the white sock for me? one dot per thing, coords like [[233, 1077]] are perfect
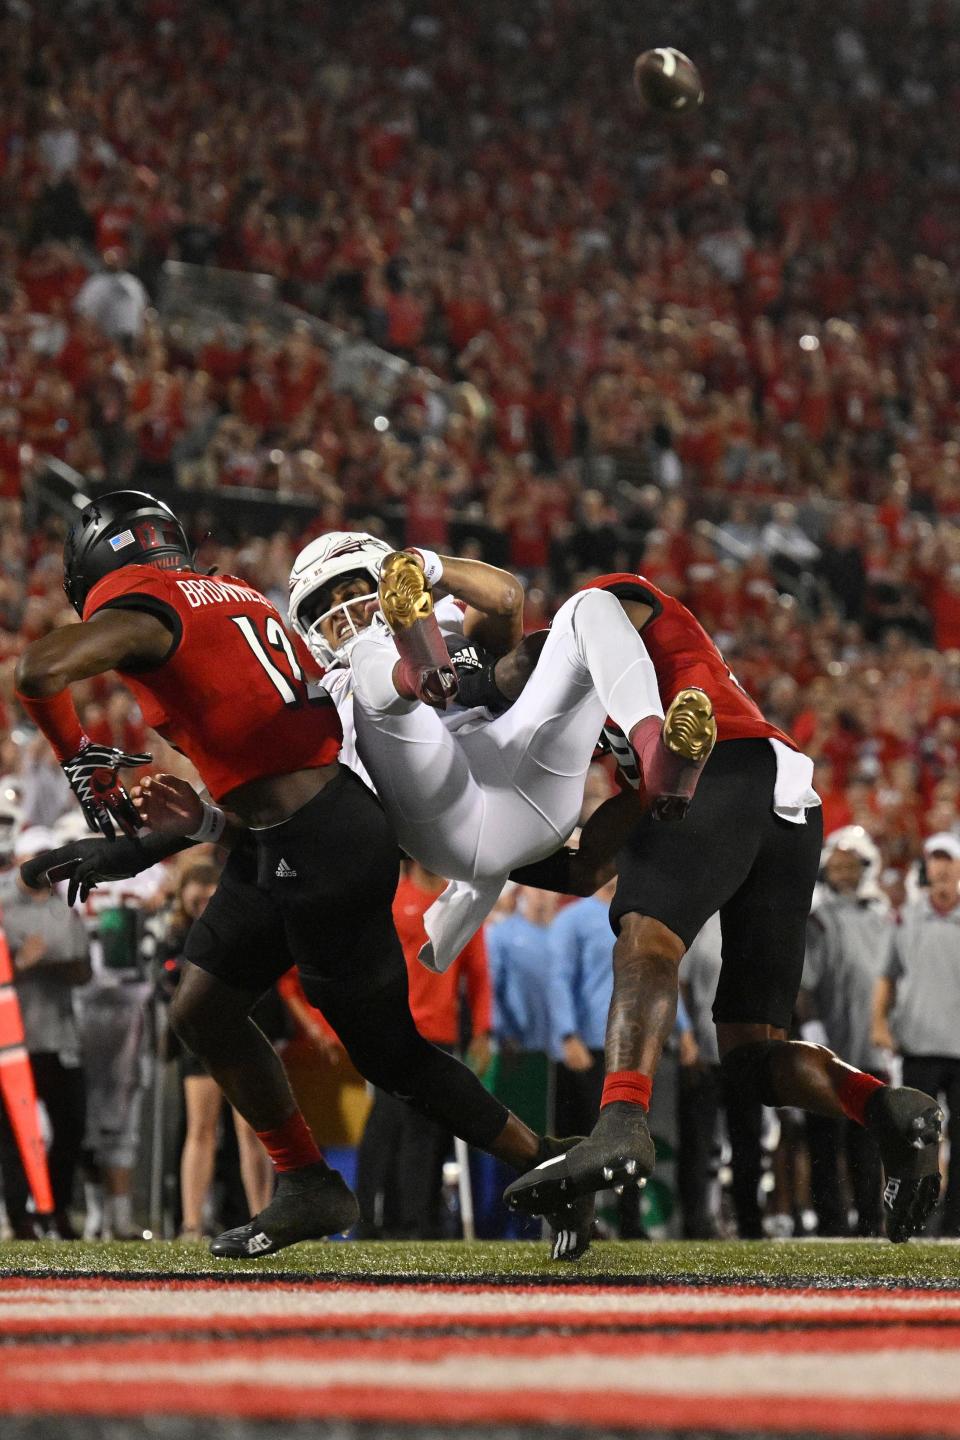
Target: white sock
[[617, 659]]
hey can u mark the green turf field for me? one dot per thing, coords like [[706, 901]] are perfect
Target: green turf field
[[671, 1261]]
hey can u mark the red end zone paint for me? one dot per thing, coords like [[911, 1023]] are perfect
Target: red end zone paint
[[729, 1358]]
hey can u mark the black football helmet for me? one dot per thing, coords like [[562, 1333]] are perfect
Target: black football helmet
[[123, 527]]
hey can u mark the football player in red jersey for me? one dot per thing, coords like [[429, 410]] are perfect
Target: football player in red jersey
[[219, 675], [749, 847]]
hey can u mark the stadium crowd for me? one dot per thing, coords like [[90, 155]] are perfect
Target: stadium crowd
[[723, 352]]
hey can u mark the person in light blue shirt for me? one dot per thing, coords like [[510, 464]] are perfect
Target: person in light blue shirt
[[518, 951]]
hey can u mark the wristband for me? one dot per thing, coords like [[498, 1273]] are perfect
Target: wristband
[[432, 564], [56, 716], [212, 825]]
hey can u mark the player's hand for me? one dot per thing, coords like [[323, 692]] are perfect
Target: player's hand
[[479, 1054], [576, 1056], [83, 864], [167, 804], [94, 779]]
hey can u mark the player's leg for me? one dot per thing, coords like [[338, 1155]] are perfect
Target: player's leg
[[593, 647], [234, 953], [764, 936], [336, 912], [592, 665], [422, 775], [672, 878]]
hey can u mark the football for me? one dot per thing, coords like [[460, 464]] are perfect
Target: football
[[667, 80]]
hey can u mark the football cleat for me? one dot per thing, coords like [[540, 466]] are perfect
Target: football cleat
[[672, 754], [571, 1224], [571, 1229], [309, 1204], [907, 1126], [425, 671], [620, 1149]]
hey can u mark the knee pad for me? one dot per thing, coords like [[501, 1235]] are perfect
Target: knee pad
[[748, 1070]]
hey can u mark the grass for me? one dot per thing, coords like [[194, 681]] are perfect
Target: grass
[[803, 1262]]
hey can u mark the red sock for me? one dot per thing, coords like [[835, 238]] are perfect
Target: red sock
[[290, 1146], [854, 1091], [629, 1085]]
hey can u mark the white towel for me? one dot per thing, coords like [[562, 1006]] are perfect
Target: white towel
[[793, 792]]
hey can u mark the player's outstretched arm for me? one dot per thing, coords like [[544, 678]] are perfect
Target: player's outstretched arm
[[112, 639]]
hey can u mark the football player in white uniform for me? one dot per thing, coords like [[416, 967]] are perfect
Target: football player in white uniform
[[471, 794]]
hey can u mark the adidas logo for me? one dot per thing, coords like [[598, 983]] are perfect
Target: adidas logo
[[257, 1244], [285, 871], [891, 1191]]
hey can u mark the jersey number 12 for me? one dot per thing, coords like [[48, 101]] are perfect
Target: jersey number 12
[[292, 688]]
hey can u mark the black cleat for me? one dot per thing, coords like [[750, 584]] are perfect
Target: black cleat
[[571, 1224], [308, 1205], [620, 1149], [907, 1126], [571, 1229]]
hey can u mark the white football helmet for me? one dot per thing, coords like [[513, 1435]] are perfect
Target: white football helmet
[[325, 560]]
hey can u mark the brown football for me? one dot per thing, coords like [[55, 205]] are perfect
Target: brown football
[[667, 80]]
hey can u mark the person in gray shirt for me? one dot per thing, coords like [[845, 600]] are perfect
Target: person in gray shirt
[[848, 938], [50, 954], [917, 1000]]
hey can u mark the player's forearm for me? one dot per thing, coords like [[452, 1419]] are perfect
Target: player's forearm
[[486, 587], [495, 595]]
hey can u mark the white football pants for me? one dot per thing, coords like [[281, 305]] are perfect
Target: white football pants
[[473, 803]]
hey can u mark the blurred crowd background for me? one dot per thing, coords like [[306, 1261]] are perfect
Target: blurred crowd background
[[724, 351]]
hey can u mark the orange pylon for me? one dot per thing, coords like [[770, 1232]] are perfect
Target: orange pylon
[[17, 1088]]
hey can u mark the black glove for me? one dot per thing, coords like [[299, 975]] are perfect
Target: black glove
[[92, 773], [86, 862], [476, 683]]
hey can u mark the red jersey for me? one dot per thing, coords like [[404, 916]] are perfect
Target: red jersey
[[236, 694], [683, 654]]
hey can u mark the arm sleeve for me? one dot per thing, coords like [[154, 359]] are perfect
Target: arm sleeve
[[564, 962], [476, 972]]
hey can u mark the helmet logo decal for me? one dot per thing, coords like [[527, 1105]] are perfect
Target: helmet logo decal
[[121, 541], [349, 547], [152, 536]]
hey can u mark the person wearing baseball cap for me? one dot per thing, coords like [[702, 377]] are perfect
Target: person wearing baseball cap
[[848, 935], [917, 1000]]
